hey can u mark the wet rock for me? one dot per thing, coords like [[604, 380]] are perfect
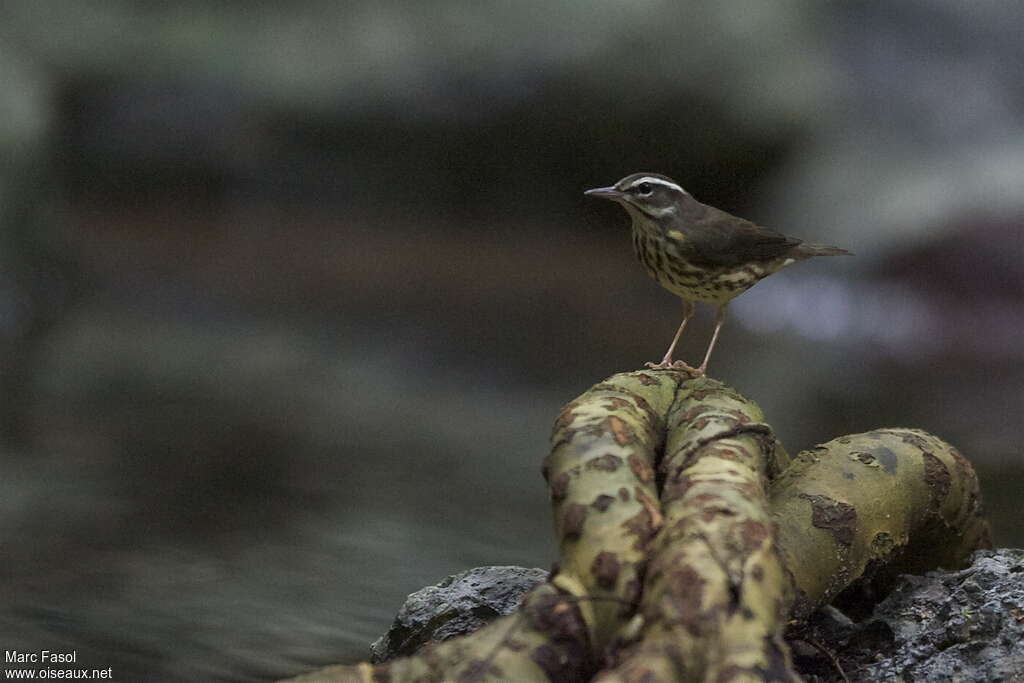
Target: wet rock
[[965, 626], [458, 605], [960, 626]]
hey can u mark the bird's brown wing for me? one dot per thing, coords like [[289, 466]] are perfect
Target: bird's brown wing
[[721, 239]]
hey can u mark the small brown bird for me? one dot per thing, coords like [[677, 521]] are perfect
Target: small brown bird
[[698, 252]]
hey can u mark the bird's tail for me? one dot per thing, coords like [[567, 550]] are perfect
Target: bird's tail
[[809, 249]]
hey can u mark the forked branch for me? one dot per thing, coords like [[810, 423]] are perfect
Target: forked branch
[[688, 540]]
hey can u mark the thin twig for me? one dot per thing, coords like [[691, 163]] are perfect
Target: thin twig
[[831, 656]]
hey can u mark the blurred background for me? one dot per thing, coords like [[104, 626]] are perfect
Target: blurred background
[[290, 295]]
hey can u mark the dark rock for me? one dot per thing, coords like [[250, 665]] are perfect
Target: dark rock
[[965, 626], [458, 605]]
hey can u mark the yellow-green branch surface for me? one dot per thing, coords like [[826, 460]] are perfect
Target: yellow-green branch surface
[[687, 540], [886, 501], [716, 597]]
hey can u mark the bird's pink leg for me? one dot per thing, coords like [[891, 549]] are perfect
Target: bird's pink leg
[[667, 362], [719, 319]]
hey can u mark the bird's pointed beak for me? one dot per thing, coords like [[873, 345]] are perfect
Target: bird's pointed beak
[[604, 193]]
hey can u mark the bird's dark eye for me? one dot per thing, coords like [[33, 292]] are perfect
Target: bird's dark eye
[[644, 189]]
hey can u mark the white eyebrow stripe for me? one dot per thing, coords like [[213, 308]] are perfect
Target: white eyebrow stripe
[[656, 181]]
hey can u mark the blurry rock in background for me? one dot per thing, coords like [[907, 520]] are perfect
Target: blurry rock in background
[[290, 295]]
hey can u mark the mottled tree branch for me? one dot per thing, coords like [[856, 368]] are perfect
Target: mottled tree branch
[[873, 505], [688, 540], [716, 597]]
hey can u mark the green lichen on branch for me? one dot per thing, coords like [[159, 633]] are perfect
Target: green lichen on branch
[[687, 540], [874, 504], [716, 597], [601, 477]]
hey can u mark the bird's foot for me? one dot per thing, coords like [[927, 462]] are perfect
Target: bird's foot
[[675, 365]]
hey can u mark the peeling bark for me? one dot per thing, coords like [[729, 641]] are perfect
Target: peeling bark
[[688, 540]]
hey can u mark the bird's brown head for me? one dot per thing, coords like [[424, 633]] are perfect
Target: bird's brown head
[[651, 194]]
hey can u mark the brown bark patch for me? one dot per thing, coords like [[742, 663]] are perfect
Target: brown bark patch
[[633, 401], [604, 463], [686, 586], [646, 523], [740, 417], [618, 403], [938, 480], [865, 458], [709, 512], [914, 439], [572, 523], [565, 656], [754, 534], [706, 498], [606, 569], [691, 414], [552, 662], [565, 418], [623, 494], [641, 470], [643, 405], [729, 454], [620, 430], [602, 502], [837, 517], [559, 486], [757, 573], [676, 488], [631, 594]]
